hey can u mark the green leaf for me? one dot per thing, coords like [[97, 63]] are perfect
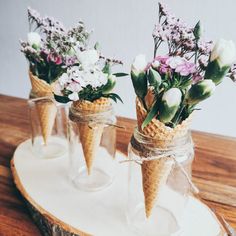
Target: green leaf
[[121, 74], [152, 113], [61, 99], [113, 96], [197, 31]]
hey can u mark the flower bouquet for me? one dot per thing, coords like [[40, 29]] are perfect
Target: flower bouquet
[[88, 84], [50, 48], [170, 87]]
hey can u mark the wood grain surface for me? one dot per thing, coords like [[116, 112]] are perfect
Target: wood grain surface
[[214, 168]]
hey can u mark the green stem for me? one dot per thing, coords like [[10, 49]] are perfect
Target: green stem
[[196, 53]]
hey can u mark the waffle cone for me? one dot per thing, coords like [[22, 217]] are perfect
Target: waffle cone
[[155, 172], [46, 109], [90, 134]]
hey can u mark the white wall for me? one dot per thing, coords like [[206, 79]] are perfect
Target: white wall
[[123, 28]]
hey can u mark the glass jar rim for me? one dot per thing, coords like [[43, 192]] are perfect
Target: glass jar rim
[[33, 101]]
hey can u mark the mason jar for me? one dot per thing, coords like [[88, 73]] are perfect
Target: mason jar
[[92, 148], [159, 183], [48, 121]]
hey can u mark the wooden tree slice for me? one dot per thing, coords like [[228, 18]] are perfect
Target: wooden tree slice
[[61, 210]]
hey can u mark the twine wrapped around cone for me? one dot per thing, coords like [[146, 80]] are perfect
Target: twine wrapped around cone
[[46, 108], [155, 172], [91, 132]]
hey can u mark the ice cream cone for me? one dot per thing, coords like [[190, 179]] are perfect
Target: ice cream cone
[[46, 108], [91, 132], [155, 172]]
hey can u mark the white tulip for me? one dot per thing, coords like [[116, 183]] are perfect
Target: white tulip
[[172, 97], [224, 52], [139, 64], [171, 100], [34, 39], [88, 57]]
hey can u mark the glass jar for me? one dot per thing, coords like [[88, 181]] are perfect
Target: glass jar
[[48, 121], [92, 147], [159, 183]]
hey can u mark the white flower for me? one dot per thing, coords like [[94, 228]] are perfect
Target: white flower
[[224, 52], [95, 78], [73, 96], [64, 79], [34, 39], [173, 62], [88, 57], [74, 87], [172, 97], [139, 64]]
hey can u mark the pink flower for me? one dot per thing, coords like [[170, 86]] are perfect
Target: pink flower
[[162, 59], [74, 87], [54, 58], [186, 68]]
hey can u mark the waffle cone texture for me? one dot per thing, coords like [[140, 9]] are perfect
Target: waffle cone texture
[[46, 109], [155, 172], [90, 134]]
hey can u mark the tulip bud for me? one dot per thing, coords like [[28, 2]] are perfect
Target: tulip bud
[[170, 102], [154, 78], [34, 40], [200, 91], [139, 77], [139, 64], [222, 57], [111, 82]]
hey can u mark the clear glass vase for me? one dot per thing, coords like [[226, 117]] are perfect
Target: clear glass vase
[[159, 184], [92, 147], [48, 121]]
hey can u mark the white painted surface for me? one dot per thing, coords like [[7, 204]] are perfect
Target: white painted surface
[[123, 29], [100, 213]]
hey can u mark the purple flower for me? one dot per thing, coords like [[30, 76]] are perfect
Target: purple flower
[[158, 32], [186, 68], [69, 61], [205, 47], [162, 59]]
